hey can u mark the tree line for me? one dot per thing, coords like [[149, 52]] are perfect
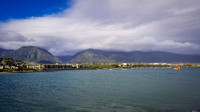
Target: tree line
[[11, 63]]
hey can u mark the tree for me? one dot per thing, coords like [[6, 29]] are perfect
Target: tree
[[9, 61], [1, 59], [20, 63]]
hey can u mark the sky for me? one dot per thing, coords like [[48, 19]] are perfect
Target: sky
[[64, 27]]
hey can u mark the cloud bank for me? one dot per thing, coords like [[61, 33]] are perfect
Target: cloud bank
[[125, 25]]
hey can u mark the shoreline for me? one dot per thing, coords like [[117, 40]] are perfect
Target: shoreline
[[53, 70], [24, 71]]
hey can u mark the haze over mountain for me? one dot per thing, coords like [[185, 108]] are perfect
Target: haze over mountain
[[100, 56], [30, 54]]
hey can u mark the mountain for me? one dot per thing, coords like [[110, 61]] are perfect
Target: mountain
[[30, 54], [4, 50], [65, 59], [68, 58], [99, 56]]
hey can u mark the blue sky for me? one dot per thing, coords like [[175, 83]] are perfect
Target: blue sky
[[65, 27], [18, 9]]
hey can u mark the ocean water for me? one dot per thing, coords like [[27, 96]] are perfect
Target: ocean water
[[132, 90]]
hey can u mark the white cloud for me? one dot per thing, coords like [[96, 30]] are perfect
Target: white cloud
[[126, 25], [182, 11]]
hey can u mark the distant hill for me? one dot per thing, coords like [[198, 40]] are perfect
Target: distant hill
[[30, 54], [99, 56], [92, 56], [65, 59], [4, 50], [1, 50]]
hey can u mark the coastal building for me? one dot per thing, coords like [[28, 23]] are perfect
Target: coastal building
[[122, 64], [57, 66], [35, 66], [54, 66], [2, 67], [76, 66], [14, 67]]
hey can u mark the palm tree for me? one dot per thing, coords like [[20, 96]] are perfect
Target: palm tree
[[9, 61], [19, 63], [1, 59]]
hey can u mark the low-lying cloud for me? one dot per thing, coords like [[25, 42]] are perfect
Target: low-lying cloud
[[125, 25]]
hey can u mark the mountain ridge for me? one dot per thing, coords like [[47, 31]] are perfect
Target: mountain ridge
[[31, 54], [91, 56], [100, 56]]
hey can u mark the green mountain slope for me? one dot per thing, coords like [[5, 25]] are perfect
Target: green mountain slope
[[99, 56], [91, 56], [31, 54]]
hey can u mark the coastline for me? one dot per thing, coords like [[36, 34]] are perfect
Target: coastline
[[53, 70], [24, 71]]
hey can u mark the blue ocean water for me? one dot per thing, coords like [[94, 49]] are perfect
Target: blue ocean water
[[132, 90]]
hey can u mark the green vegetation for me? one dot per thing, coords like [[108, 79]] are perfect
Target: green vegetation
[[9, 64], [92, 56], [1, 59], [135, 65], [99, 66], [13, 60], [31, 54], [36, 55]]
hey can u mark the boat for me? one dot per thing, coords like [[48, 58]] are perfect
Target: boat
[[177, 68]]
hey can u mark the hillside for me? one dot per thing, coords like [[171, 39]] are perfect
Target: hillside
[[31, 54], [4, 50], [91, 56], [99, 56]]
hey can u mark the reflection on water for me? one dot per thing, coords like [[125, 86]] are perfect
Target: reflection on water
[[132, 90]]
